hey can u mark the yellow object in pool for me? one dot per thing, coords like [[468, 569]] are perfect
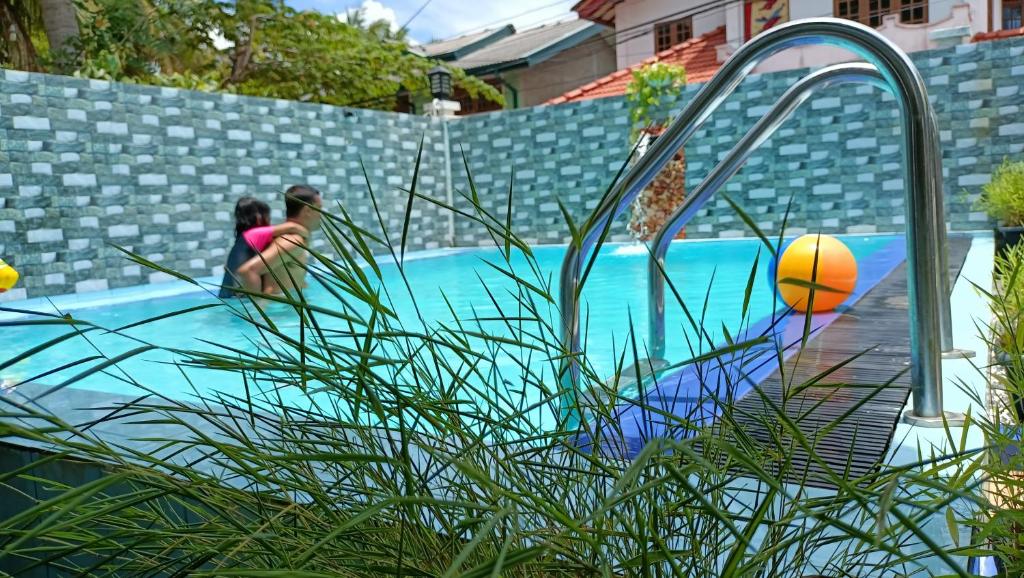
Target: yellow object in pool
[[8, 276], [836, 272]]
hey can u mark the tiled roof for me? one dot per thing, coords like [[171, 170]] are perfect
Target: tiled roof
[[528, 47], [998, 34], [698, 55], [600, 11], [454, 47]]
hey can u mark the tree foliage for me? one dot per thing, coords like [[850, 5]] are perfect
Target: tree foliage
[[1003, 197], [252, 47], [647, 91], [21, 20]]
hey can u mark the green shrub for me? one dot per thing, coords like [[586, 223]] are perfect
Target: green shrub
[[1002, 520], [648, 91], [1007, 302], [1003, 197]]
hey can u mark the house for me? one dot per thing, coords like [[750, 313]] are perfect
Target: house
[[458, 47], [645, 28], [699, 56], [530, 66]]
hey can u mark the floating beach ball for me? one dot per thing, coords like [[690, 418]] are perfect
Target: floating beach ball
[[8, 276], [836, 271], [773, 268]]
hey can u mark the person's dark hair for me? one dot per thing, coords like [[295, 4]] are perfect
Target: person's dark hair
[[250, 212], [298, 196]]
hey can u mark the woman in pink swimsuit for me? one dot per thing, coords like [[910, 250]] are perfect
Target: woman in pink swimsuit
[[253, 234]]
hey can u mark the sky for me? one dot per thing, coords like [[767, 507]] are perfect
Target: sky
[[448, 18]]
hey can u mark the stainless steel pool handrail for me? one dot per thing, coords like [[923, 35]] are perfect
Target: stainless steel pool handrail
[[859, 73], [927, 287]]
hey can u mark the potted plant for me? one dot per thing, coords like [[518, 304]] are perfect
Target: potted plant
[[1003, 199], [1007, 329], [1002, 522], [650, 94]]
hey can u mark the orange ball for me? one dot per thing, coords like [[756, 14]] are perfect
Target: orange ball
[[837, 271]]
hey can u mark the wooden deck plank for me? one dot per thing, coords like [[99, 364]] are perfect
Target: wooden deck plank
[[877, 328]]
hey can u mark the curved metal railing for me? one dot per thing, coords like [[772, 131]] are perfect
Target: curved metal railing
[[928, 284], [859, 73]]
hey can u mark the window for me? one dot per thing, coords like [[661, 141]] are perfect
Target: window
[[870, 12], [1013, 10], [668, 34]]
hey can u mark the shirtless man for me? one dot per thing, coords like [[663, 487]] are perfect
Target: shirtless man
[[285, 259]]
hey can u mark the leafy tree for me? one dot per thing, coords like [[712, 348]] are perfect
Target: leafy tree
[[19, 19], [272, 50], [60, 23], [285, 53], [145, 41]]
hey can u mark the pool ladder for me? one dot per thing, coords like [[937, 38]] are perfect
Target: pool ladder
[[887, 67]]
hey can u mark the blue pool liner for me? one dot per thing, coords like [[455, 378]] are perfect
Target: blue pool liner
[[731, 376]]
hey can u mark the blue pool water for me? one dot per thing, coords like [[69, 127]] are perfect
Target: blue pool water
[[615, 293]]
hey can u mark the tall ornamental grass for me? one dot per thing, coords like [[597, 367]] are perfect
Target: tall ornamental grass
[[412, 451]]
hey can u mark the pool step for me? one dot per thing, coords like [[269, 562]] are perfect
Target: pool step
[[628, 382]]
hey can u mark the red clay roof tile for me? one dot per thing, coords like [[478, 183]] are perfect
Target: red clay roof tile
[[698, 55], [997, 34]]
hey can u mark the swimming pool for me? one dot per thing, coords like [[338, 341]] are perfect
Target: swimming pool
[[711, 277]]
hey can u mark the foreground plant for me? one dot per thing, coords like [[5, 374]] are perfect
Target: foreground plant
[[366, 444], [1002, 519]]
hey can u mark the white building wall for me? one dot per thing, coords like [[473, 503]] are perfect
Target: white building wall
[[943, 15], [592, 59], [635, 38], [942, 9]]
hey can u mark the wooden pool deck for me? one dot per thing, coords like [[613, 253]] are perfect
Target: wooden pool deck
[[849, 420]]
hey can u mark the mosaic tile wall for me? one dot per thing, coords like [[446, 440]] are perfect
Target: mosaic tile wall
[[564, 152], [839, 157], [88, 164]]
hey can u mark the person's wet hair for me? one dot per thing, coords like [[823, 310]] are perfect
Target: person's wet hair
[[250, 212], [297, 197]]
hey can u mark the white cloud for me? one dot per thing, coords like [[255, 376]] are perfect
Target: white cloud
[[374, 11]]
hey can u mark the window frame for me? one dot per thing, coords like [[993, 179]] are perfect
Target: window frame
[[670, 29], [864, 12], [1003, 5]]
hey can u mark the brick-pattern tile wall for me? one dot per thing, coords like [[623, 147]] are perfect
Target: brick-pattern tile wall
[[87, 164], [566, 152], [90, 163], [839, 157]]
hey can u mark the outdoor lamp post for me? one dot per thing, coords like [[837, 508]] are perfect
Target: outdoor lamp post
[[441, 89], [443, 109], [440, 83]]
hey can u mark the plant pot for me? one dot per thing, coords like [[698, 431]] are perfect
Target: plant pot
[[1006, 238], [659, 200]]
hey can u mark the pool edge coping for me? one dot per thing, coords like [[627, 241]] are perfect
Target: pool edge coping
[[889, 257]]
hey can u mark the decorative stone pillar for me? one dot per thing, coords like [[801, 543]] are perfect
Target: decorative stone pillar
[[656, 203]]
